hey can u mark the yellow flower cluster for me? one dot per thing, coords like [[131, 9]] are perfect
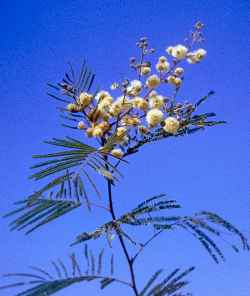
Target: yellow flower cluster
[[180, 52], [139, 110]]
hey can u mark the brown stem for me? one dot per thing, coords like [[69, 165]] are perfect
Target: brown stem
[[124, 248]]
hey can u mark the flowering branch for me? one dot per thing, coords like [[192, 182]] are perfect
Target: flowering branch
[[146, 110]]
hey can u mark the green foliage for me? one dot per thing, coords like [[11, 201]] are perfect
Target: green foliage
[[43, 282], [67, 189], [194, 124], [72, 84], [65, 192], [47, 283], [40, 212], [203, 226], [168, 286]]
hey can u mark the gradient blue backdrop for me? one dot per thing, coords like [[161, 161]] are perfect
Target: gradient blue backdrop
[[208, 170]]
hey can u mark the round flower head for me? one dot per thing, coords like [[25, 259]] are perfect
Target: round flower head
[[171, 125], [117, 153], [143, 105], [81, 125], [124, 102], [153, 81], [169, 50], [101, 95], [128, 120], [156, 102], [177, 81], [135, 101], [162, 66], [104, 103], [196, 56], [162, 59], [145, 70], [171, 79], [135, 121], [179, 71], [115, 109], [154, 117], [179, 51], [134, 88], [84, 99], [136, 84], [200, 53], [97, 132], [121, 131]]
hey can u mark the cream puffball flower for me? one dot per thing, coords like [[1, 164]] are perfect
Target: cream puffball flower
[[117, 153], [136, 84], [84, 99], [171, 79], [115, 109], [140, 103], [162, 66], [105, 102], [101, 95], [154, 117], [162, 59], [134, 88], [97, 132], [143, 105], [171, 125], [156, 101], [200, 53], [177, 81], [174, 80], [179, 51], [179, 71], [196, 56], [169, 50], [153, 81], [145, 70], [121, 131]]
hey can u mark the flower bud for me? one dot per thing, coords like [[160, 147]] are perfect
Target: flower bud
[[117, 153], [145, 70], [81, 125], [72, 107]]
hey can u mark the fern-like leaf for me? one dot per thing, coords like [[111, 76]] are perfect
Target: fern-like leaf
[[43, 283]]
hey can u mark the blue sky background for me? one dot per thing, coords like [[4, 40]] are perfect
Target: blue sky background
[[209, 170]]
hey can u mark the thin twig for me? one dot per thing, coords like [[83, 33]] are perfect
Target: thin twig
[[145, 244]]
